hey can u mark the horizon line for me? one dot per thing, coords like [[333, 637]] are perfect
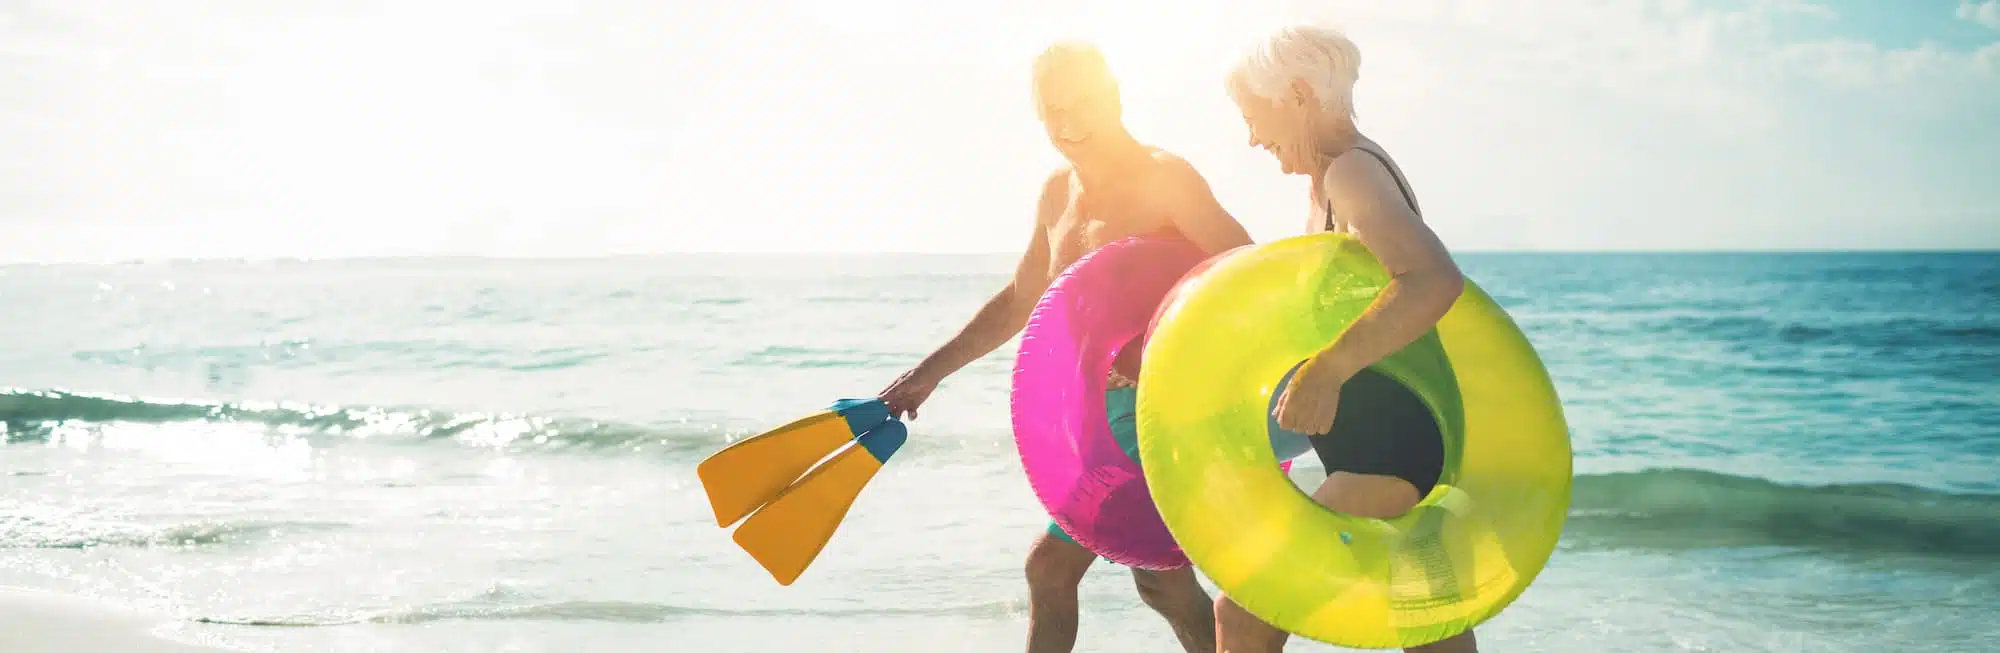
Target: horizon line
[[849, 254]]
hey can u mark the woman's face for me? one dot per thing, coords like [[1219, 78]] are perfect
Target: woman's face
[[1286, 127]]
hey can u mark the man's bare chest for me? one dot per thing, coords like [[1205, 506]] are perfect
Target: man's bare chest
[[1091, 221]]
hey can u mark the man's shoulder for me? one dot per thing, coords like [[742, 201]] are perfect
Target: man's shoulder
[[1164, 157], [1172, 168]]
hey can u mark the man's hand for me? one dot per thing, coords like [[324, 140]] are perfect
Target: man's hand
[[908, 392], [1002, 316], [1312, 398]]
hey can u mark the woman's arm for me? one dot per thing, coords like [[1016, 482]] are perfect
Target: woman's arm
[[1423, 280], [1423, 284]]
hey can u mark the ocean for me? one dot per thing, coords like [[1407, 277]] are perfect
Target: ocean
[[1775, 452]]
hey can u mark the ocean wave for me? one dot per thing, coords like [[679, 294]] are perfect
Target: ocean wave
[[1684, 508], [301, 353], [39, 415], [1666, 508], [496, 609], [814, 358], [1874, 333], [26, 531]]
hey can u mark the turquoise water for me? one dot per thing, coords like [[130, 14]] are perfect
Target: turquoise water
[[1775, 452]]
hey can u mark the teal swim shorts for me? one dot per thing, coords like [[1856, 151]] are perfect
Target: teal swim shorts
[[1121, 408]]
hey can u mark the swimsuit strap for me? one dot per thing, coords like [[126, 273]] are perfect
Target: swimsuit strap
[[1401, 184]]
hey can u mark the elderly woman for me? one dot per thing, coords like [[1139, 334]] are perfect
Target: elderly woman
[[1384, 452]]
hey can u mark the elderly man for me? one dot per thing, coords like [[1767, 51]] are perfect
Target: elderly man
[[1113, 187]]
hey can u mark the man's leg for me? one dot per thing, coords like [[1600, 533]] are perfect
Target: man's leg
[[1176, 595], [1056, 565]]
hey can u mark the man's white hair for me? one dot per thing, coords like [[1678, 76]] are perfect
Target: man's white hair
[[1320, 56]]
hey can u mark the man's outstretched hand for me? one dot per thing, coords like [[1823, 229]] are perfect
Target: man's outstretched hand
[[907, 392]]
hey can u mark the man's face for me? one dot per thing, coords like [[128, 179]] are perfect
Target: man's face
[[1076, 111]]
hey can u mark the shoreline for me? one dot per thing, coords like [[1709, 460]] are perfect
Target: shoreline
[[34, 621]]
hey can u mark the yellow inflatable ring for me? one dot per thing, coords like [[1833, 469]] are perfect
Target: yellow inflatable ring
[[1223, 341]]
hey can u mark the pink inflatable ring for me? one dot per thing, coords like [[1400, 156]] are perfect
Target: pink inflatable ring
[[1090, 483]]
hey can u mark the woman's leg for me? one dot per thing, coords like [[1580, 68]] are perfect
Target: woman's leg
[[1361, 495], [1238, 631], [1384, 454]]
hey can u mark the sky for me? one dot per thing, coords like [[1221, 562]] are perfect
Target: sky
[[327, 128]]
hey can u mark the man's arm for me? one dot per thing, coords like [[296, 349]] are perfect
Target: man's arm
[[1007, 312], [1424, 282], [1201, 218]]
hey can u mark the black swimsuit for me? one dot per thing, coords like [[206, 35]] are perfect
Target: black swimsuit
[[1381, 427]]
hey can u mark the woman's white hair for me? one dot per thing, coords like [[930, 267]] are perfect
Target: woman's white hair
[[1322, 57]]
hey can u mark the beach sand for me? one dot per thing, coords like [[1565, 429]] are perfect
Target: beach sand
[[40, 622]]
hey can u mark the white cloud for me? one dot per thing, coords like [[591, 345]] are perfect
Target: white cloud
[[1859, 63], [370, 127], [1578, 124], [1985, 13]]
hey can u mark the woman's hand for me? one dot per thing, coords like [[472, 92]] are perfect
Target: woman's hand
[[1311, 399]]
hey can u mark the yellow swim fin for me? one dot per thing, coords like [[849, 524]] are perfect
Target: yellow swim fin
[[752, 472], [789, 532]]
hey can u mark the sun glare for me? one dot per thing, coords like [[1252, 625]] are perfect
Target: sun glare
[[1163, 41]]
